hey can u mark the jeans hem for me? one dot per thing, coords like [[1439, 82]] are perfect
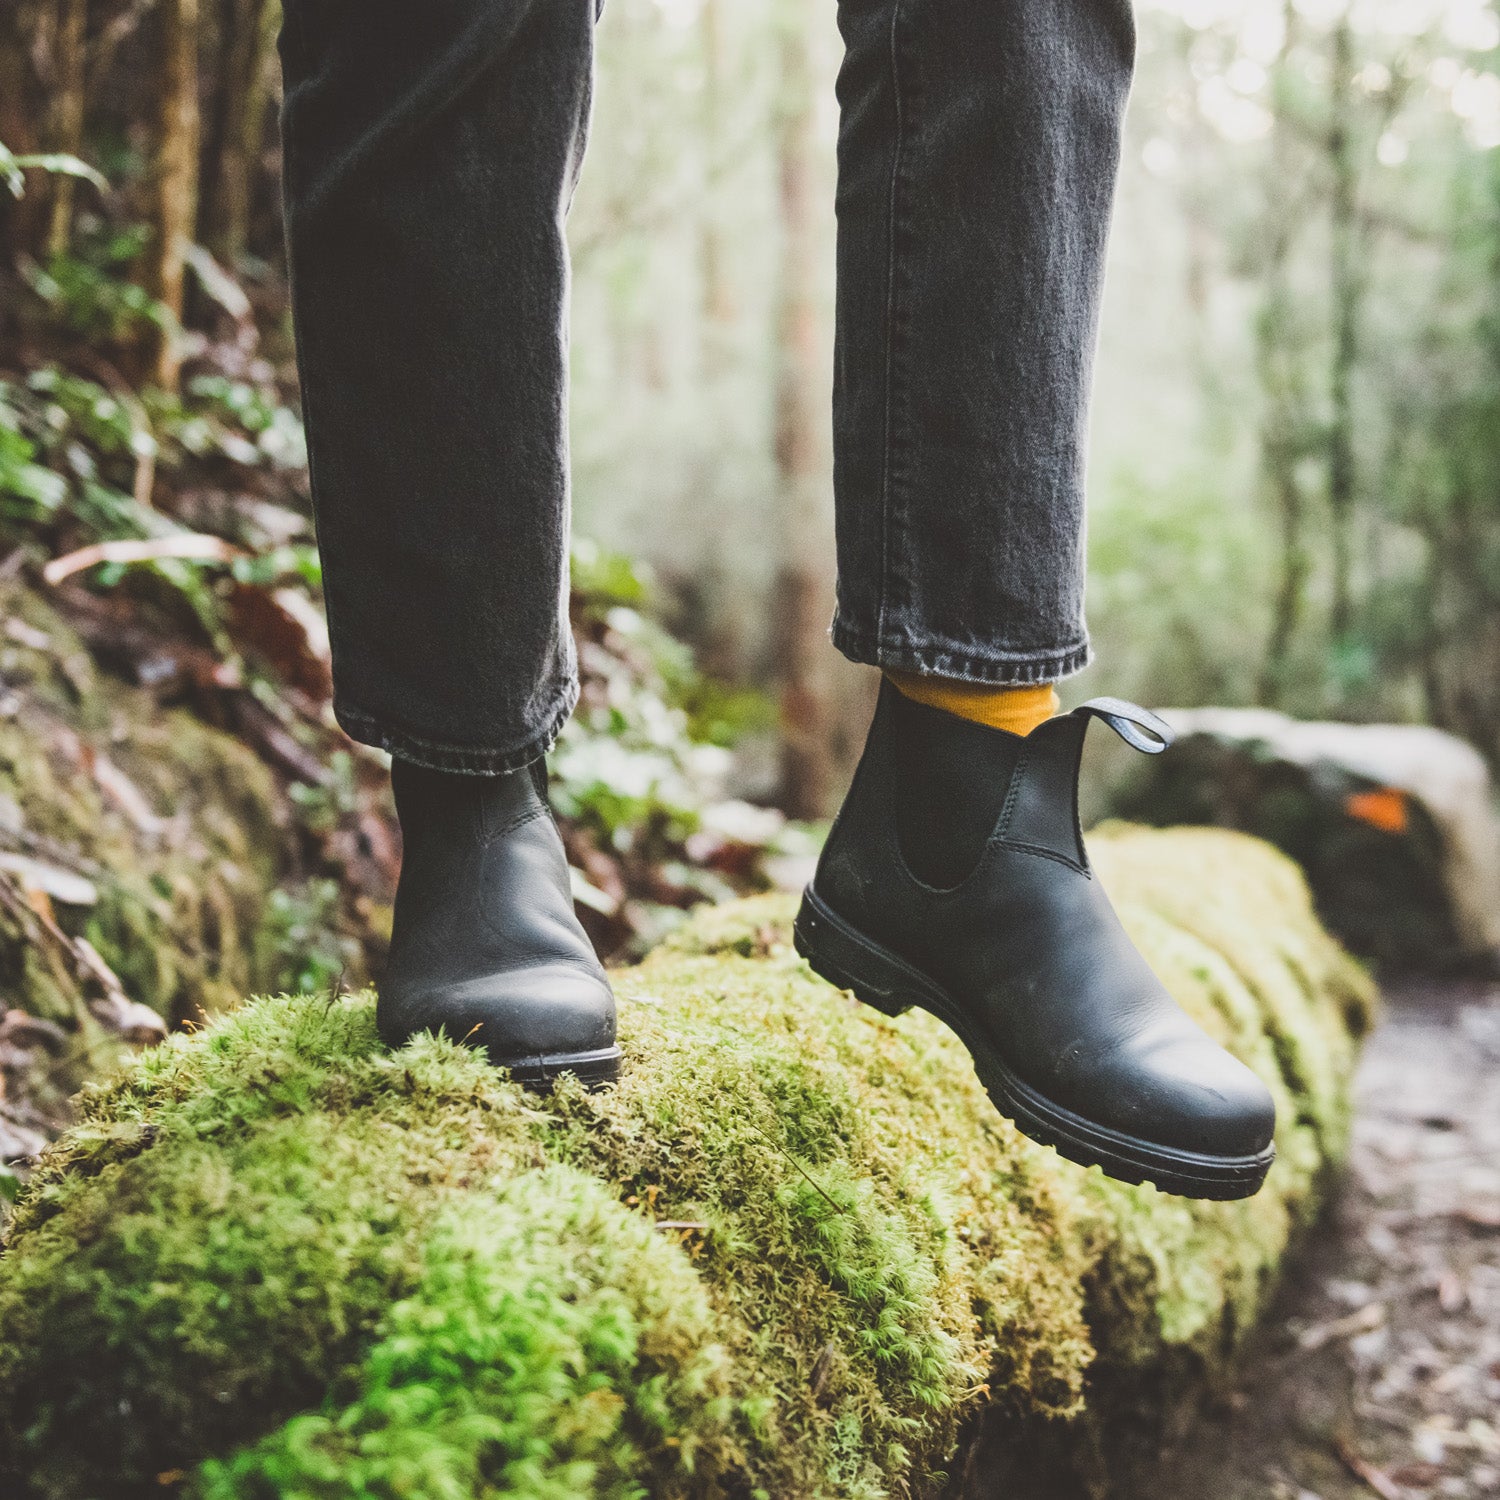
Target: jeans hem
[[464, 760], [939, 659]]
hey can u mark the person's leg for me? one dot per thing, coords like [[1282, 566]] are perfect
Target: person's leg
[[431, 149], [430, 153], [977, 159]]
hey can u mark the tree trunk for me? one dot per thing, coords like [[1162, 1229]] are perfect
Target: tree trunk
[[1345, 291], [803, 585], [22, 105], [1284, 398], [177, 178], [68, 102], [237, 124], [718, 299]]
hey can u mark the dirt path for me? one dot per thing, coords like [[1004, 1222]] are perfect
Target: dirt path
[[1379, 1372]]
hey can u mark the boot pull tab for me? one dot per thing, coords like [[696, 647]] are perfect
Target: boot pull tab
[[1138, 727]]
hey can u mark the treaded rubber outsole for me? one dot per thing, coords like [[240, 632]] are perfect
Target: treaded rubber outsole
[[592, 1069], [850, 961]]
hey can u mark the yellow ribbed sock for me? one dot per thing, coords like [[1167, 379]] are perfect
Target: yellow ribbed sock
[[1017, 709]]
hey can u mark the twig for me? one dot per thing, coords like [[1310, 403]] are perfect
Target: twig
[[837, 1207], [194, 545], [1365, 1320], [1377, 1479]]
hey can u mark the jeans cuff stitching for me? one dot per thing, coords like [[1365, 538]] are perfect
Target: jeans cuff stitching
[[434, 755]]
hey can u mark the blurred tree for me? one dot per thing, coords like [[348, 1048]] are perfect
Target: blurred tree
[[177, 177], [804, 578], [68, 104], [244, 71], [1288, 431]]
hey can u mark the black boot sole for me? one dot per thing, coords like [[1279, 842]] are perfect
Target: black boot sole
[[594, 1070], [850, 961]]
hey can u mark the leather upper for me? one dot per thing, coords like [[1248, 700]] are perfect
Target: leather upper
[[485, 943], [1028, 943]]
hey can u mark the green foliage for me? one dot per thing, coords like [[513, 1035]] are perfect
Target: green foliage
[[605, 578], [28, 490], [299, 561], [248, 424], [321, 807], [1175, 553], [71, 451], [626, 764], [302, 946], [13, 168], [81, 414], [644, 754], [89, 289], [91, 440], [1298, 446], [788, 1254]]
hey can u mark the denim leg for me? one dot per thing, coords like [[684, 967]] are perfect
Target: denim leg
[[431, 150], [977, 155]]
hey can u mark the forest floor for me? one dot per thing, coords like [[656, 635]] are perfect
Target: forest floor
[[1378, 1372]]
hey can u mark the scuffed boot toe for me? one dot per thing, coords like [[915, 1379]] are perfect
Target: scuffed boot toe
[[537, 1021]]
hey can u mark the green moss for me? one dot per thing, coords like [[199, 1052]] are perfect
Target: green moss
[[553, 1346], [183, 841], [792, 1253]]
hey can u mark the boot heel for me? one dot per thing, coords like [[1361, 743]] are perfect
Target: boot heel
[[844, 962]]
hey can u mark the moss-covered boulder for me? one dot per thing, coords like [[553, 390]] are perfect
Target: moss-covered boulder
[[795, 1252]]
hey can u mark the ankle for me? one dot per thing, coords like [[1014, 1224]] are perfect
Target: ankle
[[426, 795], [1015, 708]]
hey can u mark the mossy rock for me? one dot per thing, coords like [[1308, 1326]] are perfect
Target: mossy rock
[[794, 1253]]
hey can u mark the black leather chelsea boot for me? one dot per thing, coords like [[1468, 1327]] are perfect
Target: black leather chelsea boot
[[955, 878], [486, 946]]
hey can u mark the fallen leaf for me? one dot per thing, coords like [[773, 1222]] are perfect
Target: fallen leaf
[[1451, 1292], [1418, 1475], [28, 635], [1365, 1320], [1385, 809], [1481, 1216], [286, 632], [122, 791], [62, 885], [821, 1370], [129, 1019]]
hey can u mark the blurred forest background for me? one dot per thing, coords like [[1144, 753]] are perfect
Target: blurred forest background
[[1295, 503], [1295, 469]]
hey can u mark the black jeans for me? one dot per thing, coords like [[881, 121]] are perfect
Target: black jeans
[[432, 147]]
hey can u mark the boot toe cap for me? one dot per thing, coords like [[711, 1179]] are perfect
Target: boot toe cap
[[1189, 1094], [519, 1016]]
